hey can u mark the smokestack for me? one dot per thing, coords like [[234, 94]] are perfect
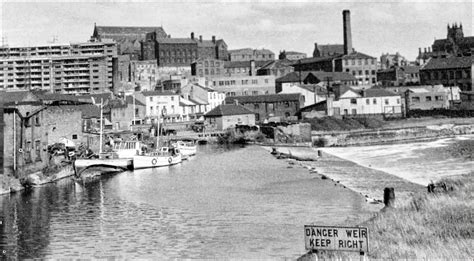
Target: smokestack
[[419, 50], [200, 38], [425, 50], [213, 39], [346, 19], [192, 36]]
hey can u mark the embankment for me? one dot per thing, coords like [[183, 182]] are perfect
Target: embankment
[[385, 136], [370, 183]]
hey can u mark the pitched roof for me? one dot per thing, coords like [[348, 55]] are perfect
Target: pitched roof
[[17, 96], [469, 40], [330, 49], [176, 41], [357, 55], [411, 69], [322, 76], [376, 92], [315, 59], [128, 30], [158, 93], [448, 63], [88, 110], [293, 52], [205, 43], [276, 64], [228, 110], [282, 97]]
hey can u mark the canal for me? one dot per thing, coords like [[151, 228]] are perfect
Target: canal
[[237, 202]]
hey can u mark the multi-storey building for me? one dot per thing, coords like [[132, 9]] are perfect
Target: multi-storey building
[[248, 54], [242, 68], [160, 104], [389, 60], [128, 38], [449, 72], [207, 67], [399, 76], [244, 85], [181, 52], [145, 73], [202, 95], [278, 68], [273, 105], [76, 68], [362, 66]]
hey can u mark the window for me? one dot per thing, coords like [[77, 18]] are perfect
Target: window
[[386, 102], [346, 62], [367, 101], [373, 72], [256, 106], [415, 99], [353, 101], [37, 120], [74, 136], [353, 62], [172, 98], [359, 61], [354, 111], [38, 150], [360, 72], [398, 101], [428, 98], [439, 98], [374, 101], [254, 81], [366, 72], [151, 99]]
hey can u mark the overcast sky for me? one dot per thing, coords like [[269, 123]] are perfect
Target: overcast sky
[[377, 27]]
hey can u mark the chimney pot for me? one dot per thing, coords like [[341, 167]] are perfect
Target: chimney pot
[[425, 49], [200, 38], [214, 39], [192, 35]]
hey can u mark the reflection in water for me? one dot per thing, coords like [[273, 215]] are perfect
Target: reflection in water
[[224, 203]]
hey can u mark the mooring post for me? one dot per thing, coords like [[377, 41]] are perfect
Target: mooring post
[[389, 197], [362, 256], [320, 153]]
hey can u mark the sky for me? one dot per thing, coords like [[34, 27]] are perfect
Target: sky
[[377, 26]]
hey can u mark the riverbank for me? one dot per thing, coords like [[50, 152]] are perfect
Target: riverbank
[[429, 226], [421, 225], [366, 181]]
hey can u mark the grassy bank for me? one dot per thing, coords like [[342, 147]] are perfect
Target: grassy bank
[[433, 226]]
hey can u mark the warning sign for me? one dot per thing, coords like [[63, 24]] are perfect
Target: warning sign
[[336, 238]]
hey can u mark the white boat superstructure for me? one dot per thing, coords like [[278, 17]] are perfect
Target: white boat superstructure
[[187, 148], [160, 158], [128, 149]]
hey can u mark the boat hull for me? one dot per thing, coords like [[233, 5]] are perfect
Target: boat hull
[[145, 161]]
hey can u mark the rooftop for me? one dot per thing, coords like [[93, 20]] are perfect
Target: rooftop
[[158, 93], [448, 63], [264, 98], [228, 110]]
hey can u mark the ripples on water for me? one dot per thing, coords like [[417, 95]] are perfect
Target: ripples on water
[[420, 162], [223, 203]]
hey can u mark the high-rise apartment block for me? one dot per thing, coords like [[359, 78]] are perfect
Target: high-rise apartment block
[[75, 68]]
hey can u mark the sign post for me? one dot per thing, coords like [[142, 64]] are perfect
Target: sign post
[[335, 238]]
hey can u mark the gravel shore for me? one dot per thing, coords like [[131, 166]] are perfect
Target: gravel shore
[[370, 183]]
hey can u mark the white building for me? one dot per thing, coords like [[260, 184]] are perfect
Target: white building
[[307, 91], [364, 102], [244, 85], [163, 104], [203, 96]]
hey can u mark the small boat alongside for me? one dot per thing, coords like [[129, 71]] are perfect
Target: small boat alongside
[[165, 156], [187, 148]]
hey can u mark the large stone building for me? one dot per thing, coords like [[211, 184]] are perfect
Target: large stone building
[[248, 54], [207, 67], [228, 116], [389, 60], [181, 52], [277, 68], [128, 38], [399, 76], [362, 66], [76, 68], [455, 44], [244, 85], [283, 106], [452, 71]]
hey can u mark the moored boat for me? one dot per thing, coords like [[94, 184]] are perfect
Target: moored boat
[[187, 148], [166, 156]]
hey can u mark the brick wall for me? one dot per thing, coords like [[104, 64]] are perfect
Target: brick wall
[[62, 122]]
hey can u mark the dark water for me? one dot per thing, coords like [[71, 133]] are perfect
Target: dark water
[[223, 203]]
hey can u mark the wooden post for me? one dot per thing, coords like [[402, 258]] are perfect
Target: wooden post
[[362, 256], [389, 197], [320, 153]]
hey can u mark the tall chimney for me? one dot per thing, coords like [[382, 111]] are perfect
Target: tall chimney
[[346, 19], [192, 36]]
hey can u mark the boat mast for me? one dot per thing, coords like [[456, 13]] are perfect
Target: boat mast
[[134, 119], [158, 131], [101, 129]]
